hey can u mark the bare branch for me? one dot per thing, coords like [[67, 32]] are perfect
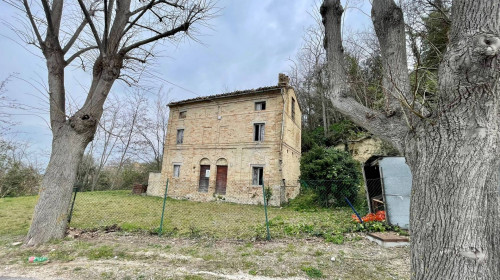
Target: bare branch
[[183, 27], [75, 36], [135, 58], [155, 2], [143, 10], [33, 24], [48, 15], [92, 26], [79, 53], [148, 28]]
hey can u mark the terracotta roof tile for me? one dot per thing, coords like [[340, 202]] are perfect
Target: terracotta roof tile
[[224, 95]]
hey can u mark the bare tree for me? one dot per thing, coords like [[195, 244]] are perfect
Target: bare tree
[[136, 106], [453, 150], [307, 74], [109, 131], [114, 38], [6, 106], [152, 130]]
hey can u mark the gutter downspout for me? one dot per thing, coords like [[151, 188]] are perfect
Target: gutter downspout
[[282, 120], [281, 143]]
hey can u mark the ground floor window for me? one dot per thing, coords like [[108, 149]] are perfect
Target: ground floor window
[[258, 175]]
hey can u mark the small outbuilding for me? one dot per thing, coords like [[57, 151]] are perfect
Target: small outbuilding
[[388, 187]]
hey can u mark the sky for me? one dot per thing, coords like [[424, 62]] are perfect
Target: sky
[[246, 47]]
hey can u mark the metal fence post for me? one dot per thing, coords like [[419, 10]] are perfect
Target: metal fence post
[[265, 210], [75, 190], [163, 211], [355, 212]]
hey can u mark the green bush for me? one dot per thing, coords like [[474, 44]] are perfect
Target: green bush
[[19, 180], [130, 177], [306, 201], [332, 174]]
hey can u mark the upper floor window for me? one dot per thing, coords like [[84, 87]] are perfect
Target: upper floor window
[[293, 109], [180, 136], [177, 170], [260, 106], [182, 114], [258, 134]]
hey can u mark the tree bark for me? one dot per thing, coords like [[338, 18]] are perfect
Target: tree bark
[[51, 212], [453, 152], [454, 217]]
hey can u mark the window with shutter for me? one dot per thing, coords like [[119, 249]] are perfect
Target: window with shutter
[[257, 175], [259, 129], [180, 136]]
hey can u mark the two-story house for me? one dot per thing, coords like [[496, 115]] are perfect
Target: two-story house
[[227, 146]]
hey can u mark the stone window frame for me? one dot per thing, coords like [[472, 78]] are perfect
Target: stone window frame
[[293, 109], [259, 179], [180, 136], [262, 131], [182, 114], [260, 102], [178, 165]]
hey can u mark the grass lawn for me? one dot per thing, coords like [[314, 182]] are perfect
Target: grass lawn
[[214, 240], [183, 218]]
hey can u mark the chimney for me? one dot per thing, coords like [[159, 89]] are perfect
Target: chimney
[[283, 80]]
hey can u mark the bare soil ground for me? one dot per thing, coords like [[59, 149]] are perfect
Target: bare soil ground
[[119, 255]]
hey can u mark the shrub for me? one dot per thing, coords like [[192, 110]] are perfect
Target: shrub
[[269, 194], [331, 173], [307, 200], [19, 180]]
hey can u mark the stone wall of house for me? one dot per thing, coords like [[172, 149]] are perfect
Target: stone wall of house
[[221, 132], [291, 148]]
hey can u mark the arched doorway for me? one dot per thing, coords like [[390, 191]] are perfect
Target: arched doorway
[[221, 179], [204, 175]]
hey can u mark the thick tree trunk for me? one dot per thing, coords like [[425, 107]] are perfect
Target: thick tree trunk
[[51, 212], [454, 152], [455, 209]]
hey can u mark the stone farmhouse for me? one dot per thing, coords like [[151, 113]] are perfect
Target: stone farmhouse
[[226, 146]]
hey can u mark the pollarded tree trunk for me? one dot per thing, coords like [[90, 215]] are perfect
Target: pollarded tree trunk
[[70, 138], [118, 32], [51, 212], [453, 152]]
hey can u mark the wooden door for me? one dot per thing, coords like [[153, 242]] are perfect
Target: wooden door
[[204, 178], [221, 180]]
